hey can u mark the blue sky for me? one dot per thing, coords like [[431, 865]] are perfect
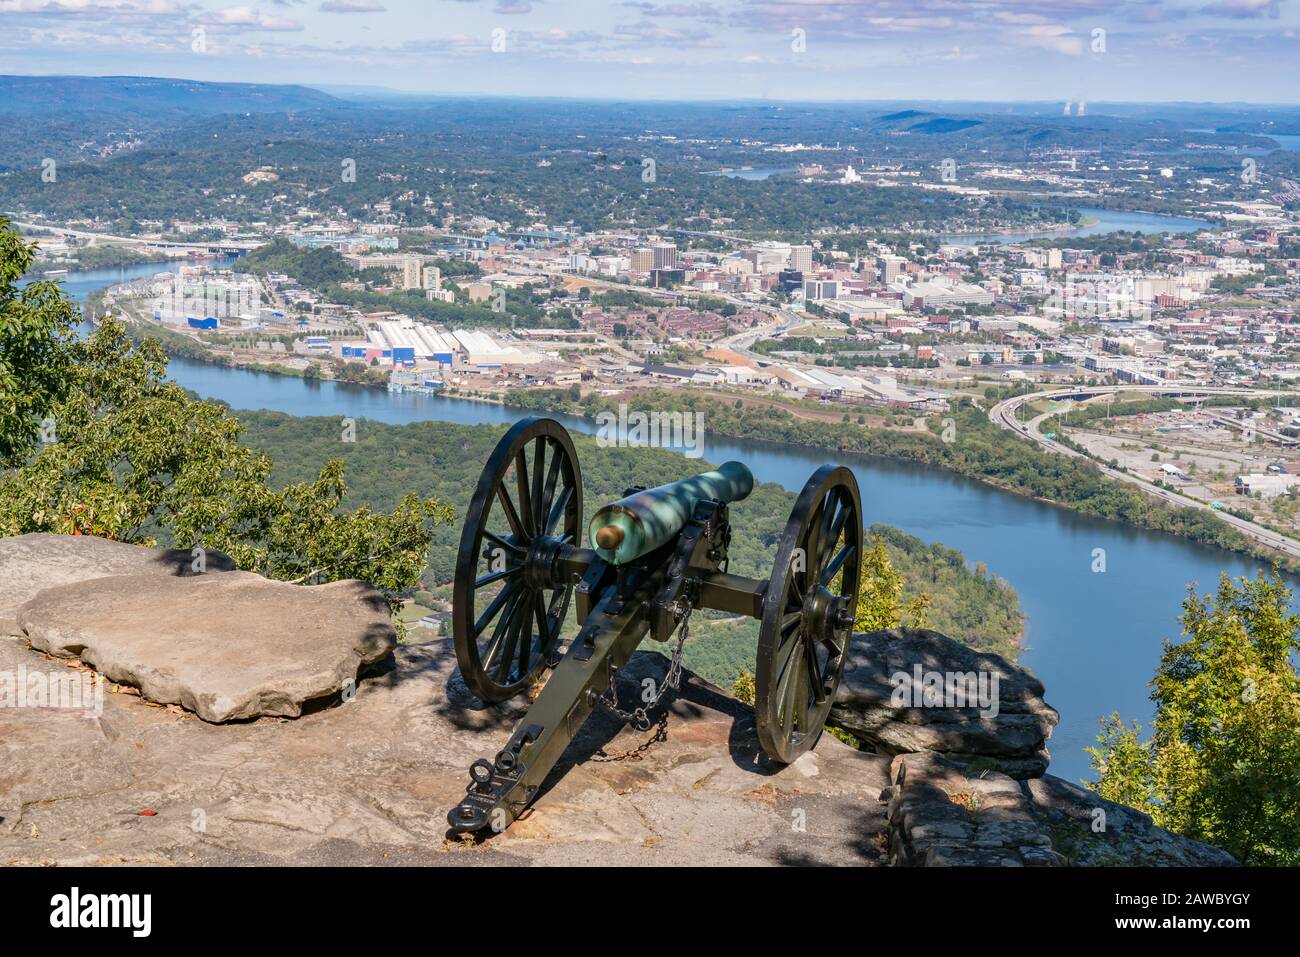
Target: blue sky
[[1148, 50]]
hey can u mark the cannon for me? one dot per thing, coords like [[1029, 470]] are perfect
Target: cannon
[[637, 570]]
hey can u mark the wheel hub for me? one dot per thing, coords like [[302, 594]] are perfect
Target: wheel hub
[[539, 564], [822, 613]]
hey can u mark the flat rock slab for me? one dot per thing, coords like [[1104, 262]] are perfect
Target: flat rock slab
[[226, 646], [370, 781], [31, 563]]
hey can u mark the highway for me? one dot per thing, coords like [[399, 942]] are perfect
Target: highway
[[1004, 414], [223, 245]]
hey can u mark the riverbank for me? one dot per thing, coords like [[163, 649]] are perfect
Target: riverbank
[[1016, 230], [1000, 464], [978, 450]]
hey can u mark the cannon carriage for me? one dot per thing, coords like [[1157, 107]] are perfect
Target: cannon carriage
[[636, 570]]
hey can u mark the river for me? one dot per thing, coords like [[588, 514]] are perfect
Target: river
[[1094, 638], [1104, 221]]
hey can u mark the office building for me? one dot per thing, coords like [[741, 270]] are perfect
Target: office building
[[801, 259]]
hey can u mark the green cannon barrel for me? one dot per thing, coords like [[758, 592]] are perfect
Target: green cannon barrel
[[633, 526]]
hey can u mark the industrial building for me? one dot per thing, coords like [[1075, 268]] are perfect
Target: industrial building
[[406, 342], [479, 350], [416, 341]]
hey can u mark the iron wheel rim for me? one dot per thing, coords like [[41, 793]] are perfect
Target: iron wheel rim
[[519, 516], [807, 614]]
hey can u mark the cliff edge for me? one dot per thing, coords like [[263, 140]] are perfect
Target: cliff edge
[[156, 711]]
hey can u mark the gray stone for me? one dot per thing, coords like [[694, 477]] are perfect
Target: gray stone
[[30, 563], [1129, 837], [370, 781], [941, 815], [229, 646], [1012, 740]]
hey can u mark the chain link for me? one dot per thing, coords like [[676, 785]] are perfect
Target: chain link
[[635, 754], [639, 718]]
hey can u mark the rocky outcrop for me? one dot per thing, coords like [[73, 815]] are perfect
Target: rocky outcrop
[[126, 772], [912, 689], [943, 815], [940, 816], [968, 782], [1089, 831], [31, 563], [228, 646]]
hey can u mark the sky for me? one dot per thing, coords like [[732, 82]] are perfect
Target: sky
[[1008, 50]]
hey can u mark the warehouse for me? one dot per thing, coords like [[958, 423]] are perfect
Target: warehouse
[[424, 342], [478, 349]]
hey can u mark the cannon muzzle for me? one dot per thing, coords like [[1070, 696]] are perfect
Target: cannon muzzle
[[637, 524]]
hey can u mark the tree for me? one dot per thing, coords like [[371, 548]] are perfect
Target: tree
[[134, 457], [743, 688], [1223, 762], [880, 595], [37, 325]]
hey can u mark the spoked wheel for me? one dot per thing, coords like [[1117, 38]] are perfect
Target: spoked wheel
[[508, 601], [808, 614]]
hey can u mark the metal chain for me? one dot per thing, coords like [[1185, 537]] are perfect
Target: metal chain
[[635, 754], [639, 718]]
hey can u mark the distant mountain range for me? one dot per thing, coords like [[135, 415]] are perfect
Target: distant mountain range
[[918, 121], [154, 97], [164, 98]]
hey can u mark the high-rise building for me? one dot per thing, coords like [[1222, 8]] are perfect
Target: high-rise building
[[643, 260], [432, 278], [821, 289], [665, 255], [890, 267], [411, 266], [801, 258]]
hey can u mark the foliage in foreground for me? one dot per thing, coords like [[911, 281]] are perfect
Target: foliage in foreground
[[1222, 764], [99, 442], [880, 599]]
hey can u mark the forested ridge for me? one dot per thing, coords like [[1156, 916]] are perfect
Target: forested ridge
[[444, 461]]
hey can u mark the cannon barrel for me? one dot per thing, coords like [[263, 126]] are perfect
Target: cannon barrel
[[639, 523]]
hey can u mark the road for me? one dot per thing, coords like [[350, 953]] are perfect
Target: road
[[226, 245], [1004, 414], [1231, 423]]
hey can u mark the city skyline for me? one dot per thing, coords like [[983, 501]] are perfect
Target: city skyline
[[798, 50]]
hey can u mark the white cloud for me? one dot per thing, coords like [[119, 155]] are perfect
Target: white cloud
[[91, 8], [1055, 37], [248, 18], [352, 6], [1244, 9]]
